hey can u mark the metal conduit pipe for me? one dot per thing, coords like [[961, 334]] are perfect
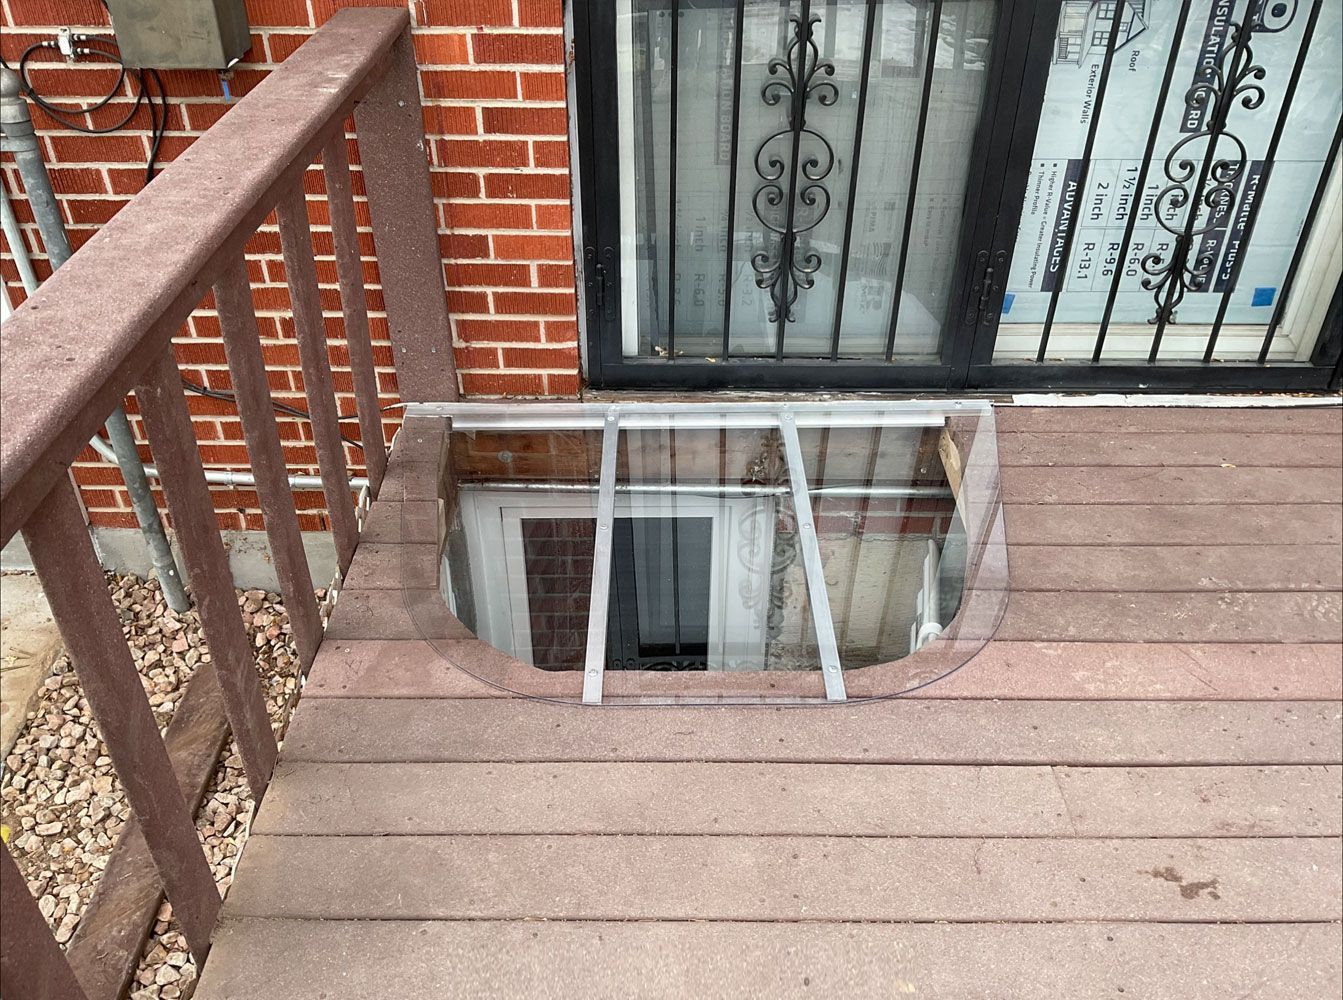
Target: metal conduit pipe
[[21, 141], [223, 477]]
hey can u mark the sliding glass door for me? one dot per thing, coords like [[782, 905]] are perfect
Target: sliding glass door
[[943, 194]]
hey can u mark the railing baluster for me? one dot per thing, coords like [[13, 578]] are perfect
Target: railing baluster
[[304, 300], [396, 182], [237, 319], [350, 270], [173, 440], [76, 589], [32, 966]]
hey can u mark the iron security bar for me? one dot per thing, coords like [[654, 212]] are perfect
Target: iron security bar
[[1269, 158]]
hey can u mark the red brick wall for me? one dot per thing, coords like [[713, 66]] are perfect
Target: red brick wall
[[492, 79]]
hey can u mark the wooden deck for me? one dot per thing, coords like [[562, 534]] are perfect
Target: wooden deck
[[1133, 791]]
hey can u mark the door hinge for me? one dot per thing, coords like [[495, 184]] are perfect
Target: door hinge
[[597, 275], [984, 298]]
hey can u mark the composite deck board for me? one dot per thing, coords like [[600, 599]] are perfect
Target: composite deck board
[[804, 799], [282, 960], [1146, 617], [1161, 568], [1110, 485], [1148, 752], [1171, 419], [1061, 671], [787, 878], [394, 614], [1174, 449], [1073, 671], [892, 731], [1172, 524], [382, 566]]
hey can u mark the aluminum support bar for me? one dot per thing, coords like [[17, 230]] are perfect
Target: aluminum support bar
[[594, 667], [817, 597], [17, 248], [713, 489]]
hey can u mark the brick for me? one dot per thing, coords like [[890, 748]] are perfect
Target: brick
[[201, 116], [126, 180], [552, 186], [441, 50], [447, 84], [534, 303], [286, 12], [518, 49], [502, 330], [477, 357], [550, 154], [525, 121], [494, 13], [174, 146], [488, 275], [83, 211], [542, 86], [530, 248], [72, 81], [480, 153], [543, 357], [561, 331], [468, 302], [487, 215], [563, 385], [555, 275], [115, 148], [108, 519], [200, 353], [77, 180], [280, 46], [451, 184], [439, 120], [457, 246], [502, 384], [97, 475], [540, 14]]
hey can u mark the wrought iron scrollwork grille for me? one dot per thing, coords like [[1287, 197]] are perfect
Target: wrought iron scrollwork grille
[[793, 182], [1231, 79]]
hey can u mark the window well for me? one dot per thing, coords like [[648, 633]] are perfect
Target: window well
[[710, 552]]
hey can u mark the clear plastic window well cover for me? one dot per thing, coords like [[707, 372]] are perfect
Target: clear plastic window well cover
[[702, 552]]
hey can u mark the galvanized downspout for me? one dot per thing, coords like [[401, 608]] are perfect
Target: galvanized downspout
[[20, 139]]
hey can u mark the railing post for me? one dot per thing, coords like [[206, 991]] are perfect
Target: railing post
[[76, 589], [32, 966], [396, 180], [305, 300], [237, 320], [350, 270], [173, 441]]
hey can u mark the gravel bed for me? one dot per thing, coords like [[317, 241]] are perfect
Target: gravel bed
[[61, 798]]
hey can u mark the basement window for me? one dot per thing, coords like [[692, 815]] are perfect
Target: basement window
[[723, 551]]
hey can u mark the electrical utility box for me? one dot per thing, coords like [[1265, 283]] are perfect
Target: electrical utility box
[[180, 34]]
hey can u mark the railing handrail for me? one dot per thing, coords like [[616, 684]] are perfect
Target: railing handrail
[[75, 348]]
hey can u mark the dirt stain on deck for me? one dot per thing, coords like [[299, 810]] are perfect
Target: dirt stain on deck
[[1189, 890]]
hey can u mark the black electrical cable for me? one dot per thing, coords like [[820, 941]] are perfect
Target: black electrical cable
[[144, 96]]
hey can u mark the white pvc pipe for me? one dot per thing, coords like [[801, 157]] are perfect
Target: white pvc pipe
[[223, 477]]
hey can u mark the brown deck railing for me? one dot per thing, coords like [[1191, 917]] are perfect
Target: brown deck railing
[[100, 328]]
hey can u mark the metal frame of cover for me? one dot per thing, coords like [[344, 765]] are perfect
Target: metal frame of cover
[[786, 418]]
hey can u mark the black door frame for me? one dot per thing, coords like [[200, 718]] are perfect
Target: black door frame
[[1002, 152]]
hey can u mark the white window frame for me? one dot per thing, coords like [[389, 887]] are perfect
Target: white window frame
[[492, 522]]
